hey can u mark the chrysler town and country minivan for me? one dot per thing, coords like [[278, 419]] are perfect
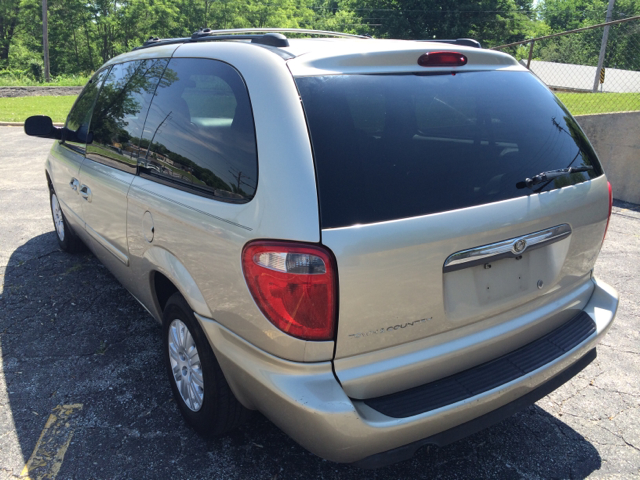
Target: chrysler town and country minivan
[[378, 244]]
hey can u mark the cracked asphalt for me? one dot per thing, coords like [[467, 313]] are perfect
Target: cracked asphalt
[[70, 334]]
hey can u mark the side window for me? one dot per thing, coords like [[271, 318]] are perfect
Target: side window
[[199, 135], [80, 115], [120, 112]]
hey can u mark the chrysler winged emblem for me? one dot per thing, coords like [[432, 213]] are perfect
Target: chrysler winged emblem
[[519, 246]]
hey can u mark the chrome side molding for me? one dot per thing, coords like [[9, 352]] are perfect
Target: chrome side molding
[[510, 248]]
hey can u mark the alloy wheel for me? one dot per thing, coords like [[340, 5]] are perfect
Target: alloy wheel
[[185, 365], [58, 220]]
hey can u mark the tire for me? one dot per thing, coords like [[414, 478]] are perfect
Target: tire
[[68, 241], [199, 387]]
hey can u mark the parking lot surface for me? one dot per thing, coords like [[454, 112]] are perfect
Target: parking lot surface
[[76, 345]]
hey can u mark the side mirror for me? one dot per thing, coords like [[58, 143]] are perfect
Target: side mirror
[[82, 135], [40, 126]]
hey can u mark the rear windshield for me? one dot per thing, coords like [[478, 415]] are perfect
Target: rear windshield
[[397, 146]]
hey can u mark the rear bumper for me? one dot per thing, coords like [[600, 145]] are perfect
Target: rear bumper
[[308, 403], [469, 428]]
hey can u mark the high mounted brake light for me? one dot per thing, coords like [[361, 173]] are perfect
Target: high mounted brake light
[[294, 285], [442, 59]]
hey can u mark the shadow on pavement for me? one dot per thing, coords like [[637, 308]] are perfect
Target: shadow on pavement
[[69, 333]]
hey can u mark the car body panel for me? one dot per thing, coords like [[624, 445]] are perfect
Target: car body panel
[[105, 209], [63, 166], [197, 243], [308, 403], [393, 369], [392, 272], [390, 56]]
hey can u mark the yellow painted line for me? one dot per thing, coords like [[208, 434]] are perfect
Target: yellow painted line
[[48, 454]]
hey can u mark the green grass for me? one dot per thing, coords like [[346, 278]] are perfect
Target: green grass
[[589, 103], [62, 81], [109, 153], [17, 109]]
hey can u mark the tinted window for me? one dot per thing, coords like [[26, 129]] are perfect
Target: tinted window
[[121, 110], [200, 134], [80, 115], [397, 146]]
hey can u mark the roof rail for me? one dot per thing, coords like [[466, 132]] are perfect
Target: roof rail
[[467, 42], [270, 39], [264, 36], [282, 30]]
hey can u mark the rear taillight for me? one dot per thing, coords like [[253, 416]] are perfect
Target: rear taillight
[[610, 208], [294, 286], [442, 59]]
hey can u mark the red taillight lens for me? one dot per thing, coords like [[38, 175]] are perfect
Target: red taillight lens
[[294, 286], [442, 59], [610, 208]]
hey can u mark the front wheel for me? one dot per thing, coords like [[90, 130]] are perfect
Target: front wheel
[[67, 239], [198, 384]]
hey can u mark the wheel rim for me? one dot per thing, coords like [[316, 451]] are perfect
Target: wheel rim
[[57, 217], [185, 365]]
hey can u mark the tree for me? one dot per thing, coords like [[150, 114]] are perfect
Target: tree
[[583, 48], [83, 34], [9, 14], [490, 21]]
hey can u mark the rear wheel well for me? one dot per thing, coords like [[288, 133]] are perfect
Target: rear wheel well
[[163, 288]]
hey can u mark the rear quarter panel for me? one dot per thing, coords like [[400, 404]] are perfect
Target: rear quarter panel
[[206, 236]]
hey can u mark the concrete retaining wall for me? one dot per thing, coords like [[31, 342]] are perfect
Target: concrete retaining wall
[[616, 139]]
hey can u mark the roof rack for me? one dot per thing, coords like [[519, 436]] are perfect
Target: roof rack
[[270, 36], [467, 42], [305, 31]]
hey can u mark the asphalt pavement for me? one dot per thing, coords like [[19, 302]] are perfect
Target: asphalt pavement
[[83, 391]]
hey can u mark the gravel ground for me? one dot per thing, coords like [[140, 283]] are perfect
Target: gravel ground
[[38, 91], [69, 334]]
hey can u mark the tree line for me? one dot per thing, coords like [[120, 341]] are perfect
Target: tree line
[[83, 34]]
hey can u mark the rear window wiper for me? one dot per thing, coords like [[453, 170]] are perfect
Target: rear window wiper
[[550, 175]]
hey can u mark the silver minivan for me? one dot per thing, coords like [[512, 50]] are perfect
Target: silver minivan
[[378, 244]]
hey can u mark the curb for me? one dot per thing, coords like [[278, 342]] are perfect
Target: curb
[[21, 124]]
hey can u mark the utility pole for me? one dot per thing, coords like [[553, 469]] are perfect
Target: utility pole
[[237, 177], [45, 41], [603, 46]]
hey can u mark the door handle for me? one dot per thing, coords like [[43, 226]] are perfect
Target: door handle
[[74, 184], [85, 192]]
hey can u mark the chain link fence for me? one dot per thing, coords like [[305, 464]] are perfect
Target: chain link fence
[[568, 62]]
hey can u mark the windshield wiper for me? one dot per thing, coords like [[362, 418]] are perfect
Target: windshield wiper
[[550, 175]]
